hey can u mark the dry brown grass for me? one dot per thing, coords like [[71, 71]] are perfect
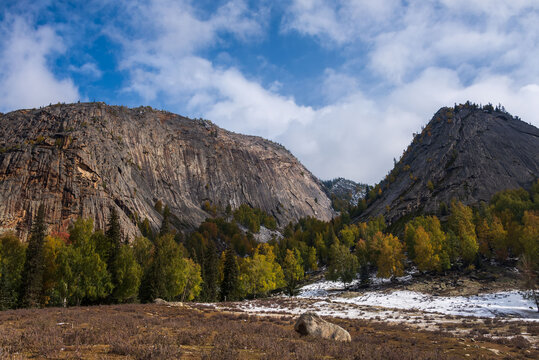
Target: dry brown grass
[[164, 332]]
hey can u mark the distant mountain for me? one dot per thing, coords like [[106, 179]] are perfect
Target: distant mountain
[[467, 153], [344, 192], [80, 159]]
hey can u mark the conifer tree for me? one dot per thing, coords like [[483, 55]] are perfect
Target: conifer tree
[[343, 265], [230, 284], [146, 229], [165, 225], [114, 237], [32, 275], [210, 274]]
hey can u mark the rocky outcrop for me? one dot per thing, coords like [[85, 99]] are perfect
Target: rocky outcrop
[[311, 324], [345, 190], [80, 159], [467, 153]]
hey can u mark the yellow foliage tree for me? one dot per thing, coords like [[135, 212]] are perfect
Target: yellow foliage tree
[[462, 230], [261, 273], [52, 247], [349, 235], [529, 238], [426, 258], [388, 254], [433, 247]]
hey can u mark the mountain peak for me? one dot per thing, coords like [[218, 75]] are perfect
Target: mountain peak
[[465, 152]]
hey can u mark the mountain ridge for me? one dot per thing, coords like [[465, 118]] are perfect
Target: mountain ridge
[[466, 152], [80, 159]]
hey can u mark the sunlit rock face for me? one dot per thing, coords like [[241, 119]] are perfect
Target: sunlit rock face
[[81, 159]]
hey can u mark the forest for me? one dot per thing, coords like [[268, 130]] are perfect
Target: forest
[[222, 261]]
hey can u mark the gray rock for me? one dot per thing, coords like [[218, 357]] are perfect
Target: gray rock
[[467, 154], [80, 159], [311, 324]]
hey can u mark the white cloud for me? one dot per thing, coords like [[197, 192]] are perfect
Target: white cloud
[[339, 22], [89, 69], [402, 40], [25, 76], [358, 137], [427, 55]]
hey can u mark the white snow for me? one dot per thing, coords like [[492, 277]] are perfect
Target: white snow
[[501, 304], [507, 303]]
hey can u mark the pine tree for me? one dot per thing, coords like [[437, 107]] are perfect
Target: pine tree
[[32, 275], [210, 274], [165, 225], [230, 284], [146, 229], [114, 237], [343, 265]]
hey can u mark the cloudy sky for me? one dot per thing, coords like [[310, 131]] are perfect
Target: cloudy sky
[[342, 84]]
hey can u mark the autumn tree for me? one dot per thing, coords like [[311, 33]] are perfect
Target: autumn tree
[[427, 244], [349, 235], [170, 275], [529, 238], [82, 275], [143, 252], [292, 270], [128, 275], [32, 275], [387, 253], [52, 248], [312, 259], [261, 273], [462, 236], [190, 281], [426, 257], [12, 256]]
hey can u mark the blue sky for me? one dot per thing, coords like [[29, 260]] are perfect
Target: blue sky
[[342, 84]]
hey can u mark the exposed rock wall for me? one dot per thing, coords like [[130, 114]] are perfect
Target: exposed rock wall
[[468, 154], [80, 159]]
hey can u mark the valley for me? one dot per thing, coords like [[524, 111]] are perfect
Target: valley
[[198, 331]]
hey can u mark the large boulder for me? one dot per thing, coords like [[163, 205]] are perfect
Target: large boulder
[[311, 324]]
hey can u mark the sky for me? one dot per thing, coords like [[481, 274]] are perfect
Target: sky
[[342, 84]]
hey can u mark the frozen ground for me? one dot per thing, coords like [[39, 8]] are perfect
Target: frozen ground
[[500, 304], [327, 298]]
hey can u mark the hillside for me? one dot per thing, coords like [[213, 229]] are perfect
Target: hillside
[[344, 193], [468, 153], [79, 159]]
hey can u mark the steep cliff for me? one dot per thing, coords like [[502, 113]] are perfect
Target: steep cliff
[[80, 159], [468, 153]]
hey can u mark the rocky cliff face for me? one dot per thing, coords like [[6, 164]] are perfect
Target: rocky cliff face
[[80, 159], [466, 153]]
